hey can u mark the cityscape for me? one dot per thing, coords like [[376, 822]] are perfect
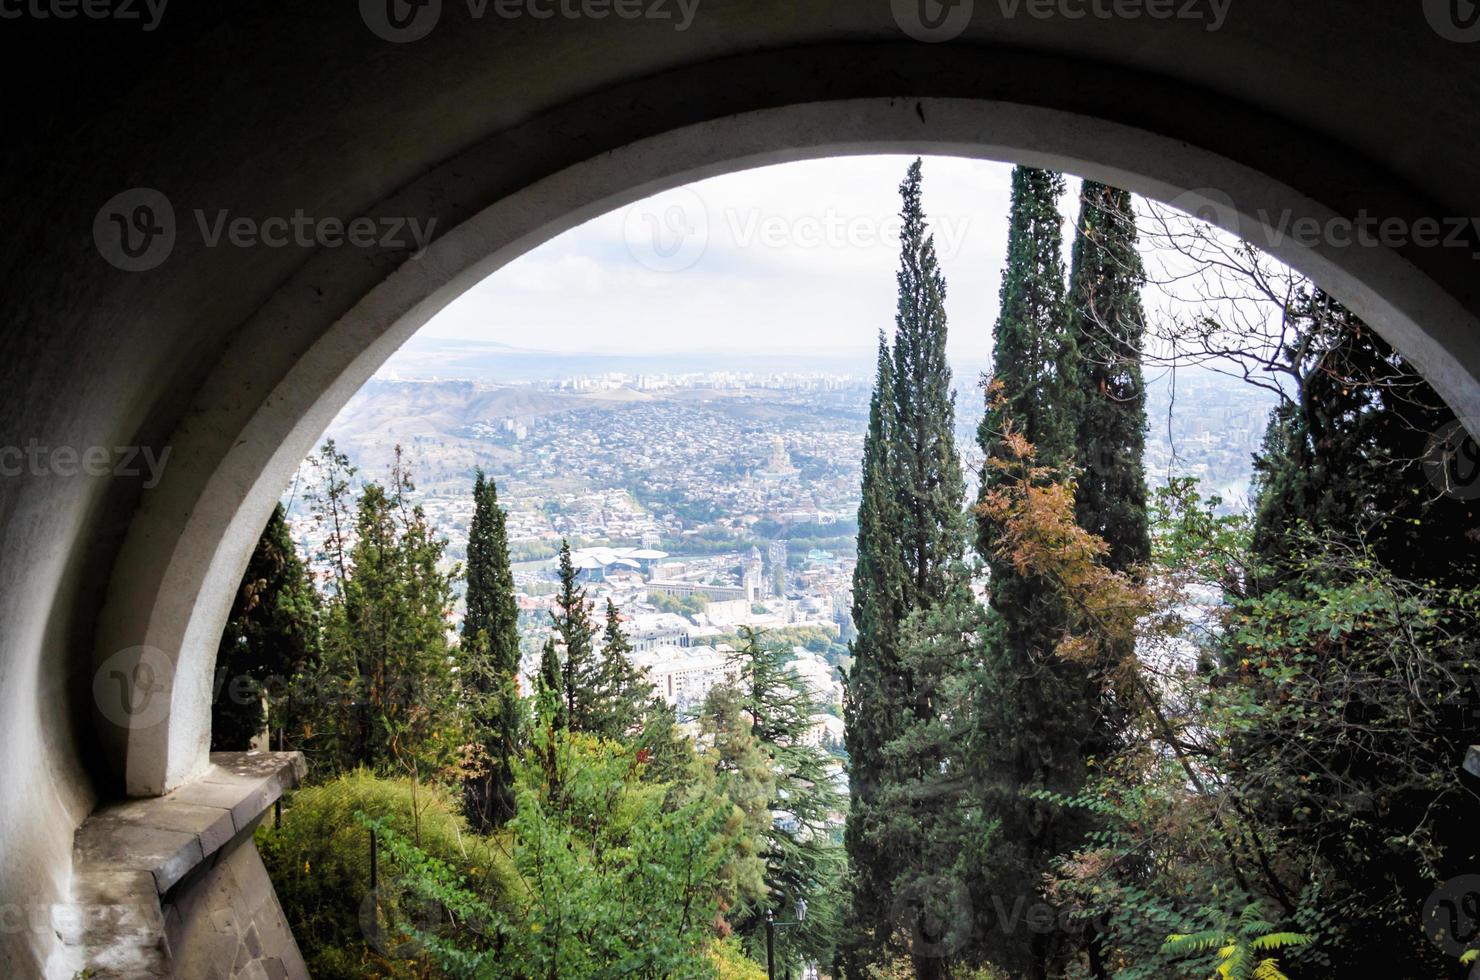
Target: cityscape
[[698, 501]]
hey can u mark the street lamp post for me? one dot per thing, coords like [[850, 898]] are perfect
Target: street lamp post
[[771, 926]]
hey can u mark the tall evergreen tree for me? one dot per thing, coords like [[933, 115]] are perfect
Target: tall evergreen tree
[[385, 639], [926, 471], [1037, 716], [580, 666], [911, 529], [624, 697], [270, 636], [1106, 327], [490, 649], [1034, 359], [550, 687], [801, 856], [869, 712]]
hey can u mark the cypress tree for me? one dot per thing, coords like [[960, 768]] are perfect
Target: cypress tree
[[1034, 360], [1107, 326], [550, 688], [911, 530], [1037, 715], [270, 636], [490, 645], [926, 477], [868, 708]]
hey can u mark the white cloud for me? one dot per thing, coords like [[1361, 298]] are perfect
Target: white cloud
[[796, 256]]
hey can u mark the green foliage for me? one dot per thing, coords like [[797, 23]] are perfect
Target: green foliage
[[687, 605], [319, 862], [744, 776], [731, 963], [616, 881], [1039, 717], [1347, 452], [910, 530], [490, 659], [802, 856], [1239, 946], [1108, 330], [623, 696], [385, 695], [270, 639]]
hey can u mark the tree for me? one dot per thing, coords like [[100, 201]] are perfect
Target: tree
[[743, 775], [271, 636], [1107, 330], [490, 654], [1351, 451], [550, 687], [1038, 717], [911, 528], [623, 697], [580, 668], [1351, 646], [803, 861], [386, 642]]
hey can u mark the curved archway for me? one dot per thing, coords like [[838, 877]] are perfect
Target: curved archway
[[206, 551], [506, 133]]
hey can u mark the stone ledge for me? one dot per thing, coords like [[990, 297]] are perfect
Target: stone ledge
[[169, 836], [126, 856]]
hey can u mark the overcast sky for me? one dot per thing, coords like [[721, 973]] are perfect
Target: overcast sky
[[790, 257]]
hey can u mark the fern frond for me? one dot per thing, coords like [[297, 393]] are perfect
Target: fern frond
[[1268, 970], [1279, 940]]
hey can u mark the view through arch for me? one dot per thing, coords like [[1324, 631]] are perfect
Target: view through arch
[[698, 454]]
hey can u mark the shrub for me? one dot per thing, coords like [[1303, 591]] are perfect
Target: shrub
[[319, 862]]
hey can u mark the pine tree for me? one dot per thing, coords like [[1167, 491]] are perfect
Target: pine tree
[[1036, 715], [801, 857], [911, 530], [623, 697], [490, 648], [386, 640], [580, 667], [1107, 326], [270, 636], [743, 774]]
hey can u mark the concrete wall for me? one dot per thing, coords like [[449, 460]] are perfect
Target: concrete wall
[[508, 131]]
